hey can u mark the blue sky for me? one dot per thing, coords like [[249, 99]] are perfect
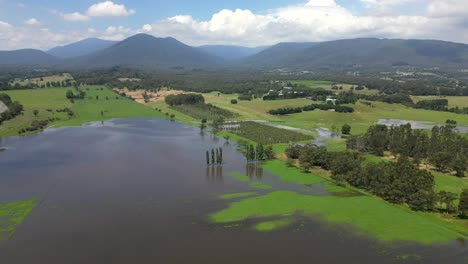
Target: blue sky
[[46, 23]]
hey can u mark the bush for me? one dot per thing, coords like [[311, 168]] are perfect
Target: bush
[[233, 101]]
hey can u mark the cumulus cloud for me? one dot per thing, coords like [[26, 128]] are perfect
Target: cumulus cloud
[[75, 17], [108, 9], [316, 20], [102, 9], [32, 22]]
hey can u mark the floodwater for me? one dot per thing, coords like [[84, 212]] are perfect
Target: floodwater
[[418, 124], [324, 134], [138, 191]]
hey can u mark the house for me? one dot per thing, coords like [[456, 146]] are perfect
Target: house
[[333, 101]]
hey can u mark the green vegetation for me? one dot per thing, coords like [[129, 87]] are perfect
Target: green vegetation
[[267, 134], [367, 214], [12, 214], [204, 111], [240, 177], [237, 195], [261, 186], [453, 101]]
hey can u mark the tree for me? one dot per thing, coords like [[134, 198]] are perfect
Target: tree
[[217, 156], [346, 129], [463, 205], [207, 157], [35, 112], [448, 199], [220, 155], [233, 101], [212, 156], [260, 151], [269, 153]]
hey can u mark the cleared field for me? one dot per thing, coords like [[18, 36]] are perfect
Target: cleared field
[[328, 85], [460, 101], [43, 80], [86, 110]]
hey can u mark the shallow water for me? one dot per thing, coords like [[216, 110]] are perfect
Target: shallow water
[[138, 191], [417, 124]]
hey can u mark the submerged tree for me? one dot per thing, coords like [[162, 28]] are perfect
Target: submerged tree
[[220, 155], [212, 156], [207, 157]]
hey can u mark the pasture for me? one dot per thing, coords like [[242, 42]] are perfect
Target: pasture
[[99, 104]]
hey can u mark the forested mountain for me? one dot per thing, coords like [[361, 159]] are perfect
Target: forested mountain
[[27, 57], [363, 53], [81, 48], [231, 53], [147, 51], [277, 54]]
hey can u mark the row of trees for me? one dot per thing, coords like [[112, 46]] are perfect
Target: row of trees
[[259, 152], [312, 107], [216, 156], [444, 148], [187, 99]]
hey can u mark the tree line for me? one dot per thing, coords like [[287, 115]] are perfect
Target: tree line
[[400, 182], [444, 147], [216, 156], [14, 108], [312, 107]]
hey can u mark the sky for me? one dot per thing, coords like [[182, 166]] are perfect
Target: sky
[[43, 24]]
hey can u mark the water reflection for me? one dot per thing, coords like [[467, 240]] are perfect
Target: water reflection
[[214, 174], [254, 170]]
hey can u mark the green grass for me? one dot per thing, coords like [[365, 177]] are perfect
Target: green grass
[[12, 214], [291, 174], [328, 86], [237, 195], [178, 115], [45, 79], [449, 183], [369, 215], [460, 101], [335, 144], [86, 110]]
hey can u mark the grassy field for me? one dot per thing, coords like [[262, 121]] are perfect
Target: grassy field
[[360, 120], [44, 80], [328, 86], [86, 110], [460, 101]]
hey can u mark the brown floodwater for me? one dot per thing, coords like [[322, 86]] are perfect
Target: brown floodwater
[[139, 191]]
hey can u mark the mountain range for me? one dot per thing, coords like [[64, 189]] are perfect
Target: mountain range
[[148, 51]]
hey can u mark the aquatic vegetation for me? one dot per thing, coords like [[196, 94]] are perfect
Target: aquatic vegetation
[[237, 195], [290, 174], [12, 214], [239, 176], [273, 225], [260, 185]]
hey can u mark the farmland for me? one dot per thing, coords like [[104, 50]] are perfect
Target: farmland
[[454, 101], [99, 104], [42, 81]]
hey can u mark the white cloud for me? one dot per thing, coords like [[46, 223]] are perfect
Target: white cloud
[[316, 20], [32, 22], [21, 5], [75, 17], [386, 2], [147, 28], [108, 9], [448, 8]]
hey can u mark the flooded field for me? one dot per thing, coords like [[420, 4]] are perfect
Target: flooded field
[[139, 191]]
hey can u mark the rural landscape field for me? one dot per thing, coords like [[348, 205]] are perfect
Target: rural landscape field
[[266, 133]]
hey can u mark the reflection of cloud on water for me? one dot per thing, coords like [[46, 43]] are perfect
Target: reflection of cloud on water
[[417, 124]]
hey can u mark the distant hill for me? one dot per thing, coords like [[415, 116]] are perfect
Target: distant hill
[[231, 53], [275, 55], [81, 48], [147, 51], [27, 57], [363, 53]]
